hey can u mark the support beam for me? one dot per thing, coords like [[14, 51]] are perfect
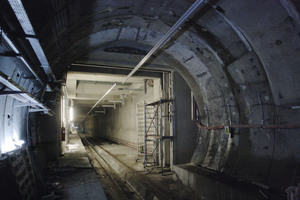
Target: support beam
[[23, 96]]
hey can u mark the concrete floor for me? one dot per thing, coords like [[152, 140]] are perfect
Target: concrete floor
[[148, 183], [73, 176]]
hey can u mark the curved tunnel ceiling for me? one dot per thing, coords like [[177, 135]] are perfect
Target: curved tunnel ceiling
[[235, 55]]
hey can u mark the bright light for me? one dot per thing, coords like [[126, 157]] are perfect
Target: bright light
[[71, 117], [12, 142], [19, 143], [11, 145], [8, 146], [63, 111]]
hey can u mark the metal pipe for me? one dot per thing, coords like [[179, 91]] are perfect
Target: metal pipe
[[145, 136], [154, 67], [161, 141], [107, 92], [162, 41]]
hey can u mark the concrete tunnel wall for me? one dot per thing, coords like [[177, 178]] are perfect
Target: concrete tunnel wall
[[17, 122], [255, 70], [120, 124], [250, 154], [235, 55]]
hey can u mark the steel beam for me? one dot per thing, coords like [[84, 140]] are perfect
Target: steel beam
[[23, 96]]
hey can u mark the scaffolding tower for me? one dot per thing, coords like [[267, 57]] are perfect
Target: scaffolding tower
[[155, 131], [140, 130]]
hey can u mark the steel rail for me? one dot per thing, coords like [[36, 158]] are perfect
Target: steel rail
[[100, 159]]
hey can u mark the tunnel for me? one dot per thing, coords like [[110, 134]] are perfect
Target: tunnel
[[165, 99]]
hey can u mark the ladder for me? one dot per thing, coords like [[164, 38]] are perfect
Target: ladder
[[140, 130], [22, 170]]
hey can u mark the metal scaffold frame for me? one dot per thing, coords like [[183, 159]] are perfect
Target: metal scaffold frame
[[159, 135]]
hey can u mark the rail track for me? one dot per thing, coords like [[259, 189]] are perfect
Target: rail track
[[114, 187]]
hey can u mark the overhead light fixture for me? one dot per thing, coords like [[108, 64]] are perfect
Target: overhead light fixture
[[115, 101], [100, 112], [63, 110], [131, 89], [71, 117], [11, 145], [108, 106], [11, 142]]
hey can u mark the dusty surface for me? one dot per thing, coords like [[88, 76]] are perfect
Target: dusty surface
[[148, 182], [73, 176]]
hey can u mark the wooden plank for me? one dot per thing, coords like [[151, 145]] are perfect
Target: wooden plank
[[20, 170], [21, 182], [16, 161]]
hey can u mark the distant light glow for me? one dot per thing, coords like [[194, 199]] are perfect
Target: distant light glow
[[63, 111], [71, 117], [12, 142]]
